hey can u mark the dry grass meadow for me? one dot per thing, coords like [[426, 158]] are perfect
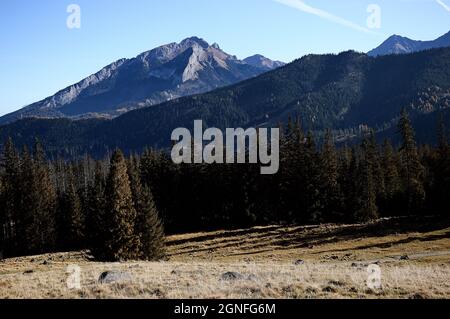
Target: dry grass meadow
[[326, 261]]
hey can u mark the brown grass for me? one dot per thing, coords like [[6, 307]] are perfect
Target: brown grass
[[335, 266]]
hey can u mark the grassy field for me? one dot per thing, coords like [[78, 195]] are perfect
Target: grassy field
[[326, 261]]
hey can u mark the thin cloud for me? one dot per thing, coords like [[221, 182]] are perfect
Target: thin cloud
[[446, 7], [302, 6]]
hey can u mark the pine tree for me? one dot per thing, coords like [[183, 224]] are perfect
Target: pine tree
[[120, 217], [349, 185], [71, 231], [373, 153], [412, 169], [329, 171], [442, 134], [150, 228], [38, 204], [391, 178], [366, 208], [10, 199], [310, 163], [96, 231], [439, 182]]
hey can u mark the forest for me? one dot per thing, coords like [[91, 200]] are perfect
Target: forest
[[120, 207]]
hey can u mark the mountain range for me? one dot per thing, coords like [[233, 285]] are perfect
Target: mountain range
[[401, 45], [170, 71], [347, 93]]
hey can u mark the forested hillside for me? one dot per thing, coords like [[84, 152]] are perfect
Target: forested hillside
[[115, 206], [347, 93]]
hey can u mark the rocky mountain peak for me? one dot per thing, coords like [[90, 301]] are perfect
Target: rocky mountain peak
[[173, 70]]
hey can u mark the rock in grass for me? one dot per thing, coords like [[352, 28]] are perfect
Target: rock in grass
[[404, 257], [299, 262], [230, 276], [109, 277]]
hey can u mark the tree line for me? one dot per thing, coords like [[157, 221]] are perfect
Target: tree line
[[59, 206], [117, 206]]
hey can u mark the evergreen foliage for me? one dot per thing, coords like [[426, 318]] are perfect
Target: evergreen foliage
[[120, 208]]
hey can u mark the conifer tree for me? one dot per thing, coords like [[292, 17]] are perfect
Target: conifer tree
[[313, 206], [412, 169], [329, 172], [391, 178], [366, 207], [96, 231], [349, 185], [150, 228], [38, 204], [439, 182], [10, 199], [375, 158], [71, 219], [120, 217]]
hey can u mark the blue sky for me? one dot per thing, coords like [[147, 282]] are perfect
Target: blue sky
[[39, 55]]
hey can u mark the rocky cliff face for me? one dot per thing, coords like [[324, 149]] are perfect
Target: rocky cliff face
[[165, 73]]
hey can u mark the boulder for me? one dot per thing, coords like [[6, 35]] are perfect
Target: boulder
[[229, 276], [299, 262], [404, 257], [109, 277]]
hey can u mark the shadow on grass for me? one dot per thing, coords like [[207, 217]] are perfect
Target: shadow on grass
[[257, 240]]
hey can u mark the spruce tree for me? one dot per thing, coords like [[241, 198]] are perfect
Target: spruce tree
[[310, 163], [329, 171], [38, 204], [150, 228], [440, 168], [71, 231], [96, 231], [373, 153], [349, 185], [366, 207], [412, 169], [391, 178], [10, 199], [120, 217]]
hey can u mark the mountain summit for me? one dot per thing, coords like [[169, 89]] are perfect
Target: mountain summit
[[401, 45], [164, 73], [262, 62]]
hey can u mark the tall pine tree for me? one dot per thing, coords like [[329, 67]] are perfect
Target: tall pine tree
[[121, 241], [366, 206], [412, 169], [71, 221]]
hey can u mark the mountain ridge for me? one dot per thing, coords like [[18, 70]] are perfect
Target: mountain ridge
[[397, 44], [152, 77], [262, 62], [347, 93]]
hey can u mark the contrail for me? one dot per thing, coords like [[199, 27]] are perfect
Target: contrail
[[302, 6], [446, 7]]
